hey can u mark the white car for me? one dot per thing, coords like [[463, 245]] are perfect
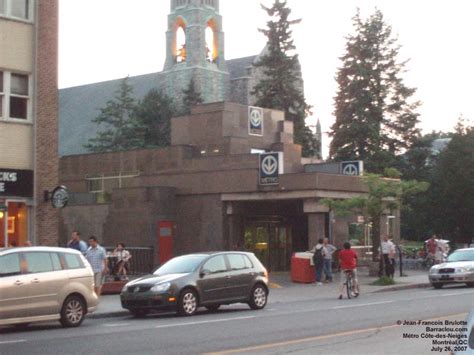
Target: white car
[[44, 284], [459, 268]]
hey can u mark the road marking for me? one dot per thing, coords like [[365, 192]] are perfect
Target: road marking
[[321, 337], [362, 305], [455, 294], [13, 341], [116, 325], [203, 322]]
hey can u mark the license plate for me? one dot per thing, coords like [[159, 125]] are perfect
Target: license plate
[[446, 277]]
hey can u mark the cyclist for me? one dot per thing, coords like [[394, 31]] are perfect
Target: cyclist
[[348, 261]]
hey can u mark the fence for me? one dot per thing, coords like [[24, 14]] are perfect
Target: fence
[[141, 262]]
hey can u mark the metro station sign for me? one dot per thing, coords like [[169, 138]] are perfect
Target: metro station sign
[[271, 166]]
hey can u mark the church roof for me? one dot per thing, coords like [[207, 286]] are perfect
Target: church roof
[[79, 105], [238, 67]]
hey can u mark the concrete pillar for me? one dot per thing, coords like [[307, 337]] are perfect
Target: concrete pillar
[[316, 228]]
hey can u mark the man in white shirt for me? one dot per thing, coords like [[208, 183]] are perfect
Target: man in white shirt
[[388, 251]]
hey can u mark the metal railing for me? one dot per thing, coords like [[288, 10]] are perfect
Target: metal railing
[[142, 259]]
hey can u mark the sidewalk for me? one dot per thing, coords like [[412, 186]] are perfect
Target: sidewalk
[[283, 290]]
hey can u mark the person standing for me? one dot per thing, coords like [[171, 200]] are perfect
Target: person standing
[[388, 252], [329, 249], [318, 260], [77, 243], [97, 257]]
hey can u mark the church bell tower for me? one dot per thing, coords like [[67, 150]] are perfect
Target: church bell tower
[[195, 51]]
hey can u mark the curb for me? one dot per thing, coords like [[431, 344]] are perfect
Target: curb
[[403, 287], [113, 314]]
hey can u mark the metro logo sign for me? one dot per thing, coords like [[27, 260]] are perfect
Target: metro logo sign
[[271, 166]]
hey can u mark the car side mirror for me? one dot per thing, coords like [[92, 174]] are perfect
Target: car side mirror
[[204, 272]]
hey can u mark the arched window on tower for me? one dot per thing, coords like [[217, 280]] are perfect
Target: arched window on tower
[[180, 41], [212, 48]]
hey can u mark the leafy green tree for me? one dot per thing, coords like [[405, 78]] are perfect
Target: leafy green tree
[[375, 116], [191, 98], [383, 193], [452, 189], [152, 120], [281, 86], [115, 119]]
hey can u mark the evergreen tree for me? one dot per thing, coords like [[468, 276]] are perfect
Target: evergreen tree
[[375, 119], [152, 120], [116, 120], [191, 98], [281, 85]]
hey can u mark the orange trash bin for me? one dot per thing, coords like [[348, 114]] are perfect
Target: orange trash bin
[[301, 268]]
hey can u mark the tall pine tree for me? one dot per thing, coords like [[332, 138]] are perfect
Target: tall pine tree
[[375, 118], [281, 85], [152, 120], [116, 120]]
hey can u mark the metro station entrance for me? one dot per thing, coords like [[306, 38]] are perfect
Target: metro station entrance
[[270, 239]]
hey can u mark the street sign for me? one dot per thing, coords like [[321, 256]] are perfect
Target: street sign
[[352, 168], [271, 166], [255, 121]]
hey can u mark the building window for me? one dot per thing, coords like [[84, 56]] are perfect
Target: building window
[[14, 96], [106, 183], [18, 9]]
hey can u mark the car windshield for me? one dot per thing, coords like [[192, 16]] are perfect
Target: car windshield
[[180, 265], [462, 255]]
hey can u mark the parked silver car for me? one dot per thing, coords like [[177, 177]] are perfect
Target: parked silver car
[[43, 284], [459, 268]]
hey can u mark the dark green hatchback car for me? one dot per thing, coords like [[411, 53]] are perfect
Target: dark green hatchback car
[[190, 281]]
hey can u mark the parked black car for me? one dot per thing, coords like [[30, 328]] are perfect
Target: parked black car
[[207, 279]]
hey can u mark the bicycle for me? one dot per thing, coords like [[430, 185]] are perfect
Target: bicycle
[[349, 283]]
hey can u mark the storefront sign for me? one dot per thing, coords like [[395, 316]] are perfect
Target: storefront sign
[[352, 168], [255, 121], [271, 166], [16, 183], [60, 197]]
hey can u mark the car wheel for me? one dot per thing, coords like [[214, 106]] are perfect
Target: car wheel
[[73, 312], [188, 302], [258, 297], [213, 307], [437, 285], [470, 284], [138, 313]]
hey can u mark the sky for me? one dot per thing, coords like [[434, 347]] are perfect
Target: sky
[[109, 39]]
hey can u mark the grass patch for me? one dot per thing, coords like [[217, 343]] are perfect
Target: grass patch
[[383, 281]]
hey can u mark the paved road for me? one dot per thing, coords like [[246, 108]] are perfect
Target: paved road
[[367, 325]]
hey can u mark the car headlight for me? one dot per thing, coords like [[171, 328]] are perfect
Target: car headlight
[[161, 287], [433, 270], [462, 269]]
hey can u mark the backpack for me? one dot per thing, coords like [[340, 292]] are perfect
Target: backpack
[[318, 257]]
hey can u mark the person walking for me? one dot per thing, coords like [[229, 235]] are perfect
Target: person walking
[[329, 249], [97, 257], [318, 260], [76, 243]]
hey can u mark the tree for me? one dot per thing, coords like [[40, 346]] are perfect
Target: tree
[[191, 98], [453, 187], [375, 117], [116, 120], [152, 120], [383, 194], [281, 84]]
